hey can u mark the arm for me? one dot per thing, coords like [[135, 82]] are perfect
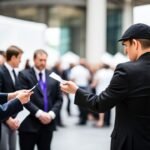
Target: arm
[[3, 98], [10, 108], [15, 105], [113, 95]]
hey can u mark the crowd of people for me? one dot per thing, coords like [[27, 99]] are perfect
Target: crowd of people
[[46, 100], [96, 91]]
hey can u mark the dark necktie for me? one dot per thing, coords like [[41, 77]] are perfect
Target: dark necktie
[[15, 77], [43, 86]]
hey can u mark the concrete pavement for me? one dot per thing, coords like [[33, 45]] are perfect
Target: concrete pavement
[[75, 137]]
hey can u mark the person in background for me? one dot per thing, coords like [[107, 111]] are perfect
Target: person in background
[[27, 64], [58, 70], [66, 76], [128, 91], [9, 83], [37, 128], [2, 57], [81, 76], [100, 81]]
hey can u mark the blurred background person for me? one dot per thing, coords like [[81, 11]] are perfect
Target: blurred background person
[[100, 81], [9, 83], [81, 76], [2, 57], [27, 64], [58, 70], [38, 126], [66, 76]]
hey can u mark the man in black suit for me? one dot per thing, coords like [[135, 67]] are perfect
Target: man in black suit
[[129, 91], [9, 83], [37, 128]]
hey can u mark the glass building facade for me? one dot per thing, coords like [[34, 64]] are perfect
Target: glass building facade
[[69, 19]]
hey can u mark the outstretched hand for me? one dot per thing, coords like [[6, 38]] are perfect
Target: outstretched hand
[[69, 87], [24, 96]]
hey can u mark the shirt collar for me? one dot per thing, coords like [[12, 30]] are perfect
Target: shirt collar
[[10, 68], [38, 71]]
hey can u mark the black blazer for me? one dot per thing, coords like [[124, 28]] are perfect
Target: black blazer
[[6, 82], [28, 80], [129, 91]]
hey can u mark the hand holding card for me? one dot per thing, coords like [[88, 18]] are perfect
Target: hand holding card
[[56, 77], [32, 89]]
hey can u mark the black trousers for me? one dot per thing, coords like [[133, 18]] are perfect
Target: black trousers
[[28, 140], [83, 112]]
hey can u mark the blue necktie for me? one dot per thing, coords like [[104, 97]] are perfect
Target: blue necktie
[[43, 86]]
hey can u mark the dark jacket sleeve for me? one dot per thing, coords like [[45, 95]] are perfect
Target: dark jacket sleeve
[[3, 98], [114, 94], [10, 108]]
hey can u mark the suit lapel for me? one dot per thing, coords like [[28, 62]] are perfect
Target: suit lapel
[[35, 80], [8, 76]]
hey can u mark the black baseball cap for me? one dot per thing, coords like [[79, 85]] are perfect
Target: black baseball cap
[[136, 31]]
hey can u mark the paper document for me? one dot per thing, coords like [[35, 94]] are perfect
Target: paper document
[[22, 115], [32, 89], [56, 77]]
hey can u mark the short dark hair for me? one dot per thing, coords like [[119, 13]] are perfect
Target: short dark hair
[[145, 43], [13, 51], [39, 51]]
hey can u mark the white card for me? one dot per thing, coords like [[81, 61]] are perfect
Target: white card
[[22, 115], [56, 77]]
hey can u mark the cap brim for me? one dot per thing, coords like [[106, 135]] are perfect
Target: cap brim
[[120, 40], [123, 39]]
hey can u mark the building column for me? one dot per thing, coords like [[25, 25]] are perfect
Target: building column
[[127, 14], [96, 29]]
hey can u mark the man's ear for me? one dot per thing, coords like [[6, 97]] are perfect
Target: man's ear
[[136, 43]]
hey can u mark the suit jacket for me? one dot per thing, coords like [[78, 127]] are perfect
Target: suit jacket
[[6, 82], [28, 80], [129, 91]]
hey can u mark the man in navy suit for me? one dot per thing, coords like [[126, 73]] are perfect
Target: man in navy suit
[[129, 91], [45, 103], [12, 103]]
